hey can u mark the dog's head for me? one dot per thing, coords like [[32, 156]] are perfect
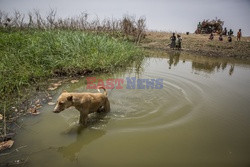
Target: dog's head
[[64, 101]]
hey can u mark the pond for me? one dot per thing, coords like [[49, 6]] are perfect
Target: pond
[[198, 116]]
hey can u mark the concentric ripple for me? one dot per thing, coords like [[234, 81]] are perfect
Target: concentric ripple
[[149, 109]]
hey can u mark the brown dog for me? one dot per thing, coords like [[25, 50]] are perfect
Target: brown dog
[[86, 103]]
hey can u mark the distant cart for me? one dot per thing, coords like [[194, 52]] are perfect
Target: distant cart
[[207, 27]]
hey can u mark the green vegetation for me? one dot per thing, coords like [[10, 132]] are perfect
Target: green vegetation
[[27, 56]]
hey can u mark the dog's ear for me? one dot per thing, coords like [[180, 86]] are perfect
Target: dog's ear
[[70, 98]]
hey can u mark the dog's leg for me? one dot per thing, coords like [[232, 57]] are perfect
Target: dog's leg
[[83, 118], [107, 106]]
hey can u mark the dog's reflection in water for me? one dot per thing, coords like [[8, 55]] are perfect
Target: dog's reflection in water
[[85, 135]]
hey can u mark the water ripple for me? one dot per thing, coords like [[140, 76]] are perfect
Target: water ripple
[[150, 109]]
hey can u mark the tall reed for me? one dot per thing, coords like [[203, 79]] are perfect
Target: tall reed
[[128, 27]]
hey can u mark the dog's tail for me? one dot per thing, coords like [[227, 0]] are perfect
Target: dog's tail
[[105, 92]]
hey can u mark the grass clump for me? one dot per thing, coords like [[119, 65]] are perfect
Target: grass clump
[[26, 57]]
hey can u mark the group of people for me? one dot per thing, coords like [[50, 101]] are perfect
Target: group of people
[[175, 41], [229, 33]]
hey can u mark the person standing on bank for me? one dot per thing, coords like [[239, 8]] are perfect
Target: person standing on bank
[[178, 42], [225, 31], [239, 34], [173, 41]]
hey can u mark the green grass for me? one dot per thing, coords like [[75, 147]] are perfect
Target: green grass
[[26, 57]]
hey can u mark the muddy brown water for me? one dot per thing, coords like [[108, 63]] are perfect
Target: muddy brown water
[[200, 117]]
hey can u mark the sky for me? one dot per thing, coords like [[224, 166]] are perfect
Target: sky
[[161, 15]]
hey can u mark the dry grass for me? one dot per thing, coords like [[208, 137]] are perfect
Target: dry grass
[[128, 27], [200, 44]]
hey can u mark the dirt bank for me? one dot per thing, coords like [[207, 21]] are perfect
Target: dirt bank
[[200, 44]]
